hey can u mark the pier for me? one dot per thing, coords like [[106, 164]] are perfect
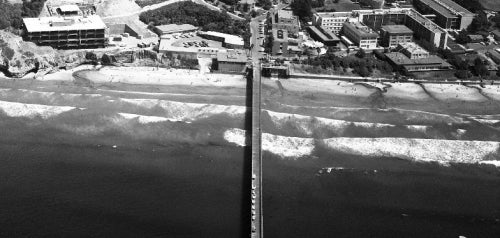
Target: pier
[[256, 192]]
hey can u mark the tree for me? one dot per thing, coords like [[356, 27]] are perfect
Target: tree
[[91, 56], [361, 54], [480, 68], [302, 8], [106, 60], [462, 74], [462, 37], [479, 23]]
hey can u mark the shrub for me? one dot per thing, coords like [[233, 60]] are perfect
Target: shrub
[[7, 52]]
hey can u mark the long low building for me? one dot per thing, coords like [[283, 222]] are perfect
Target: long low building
[[228, 41], [402, 62], [327, 38], [232, 61], [174, 28], [449, 14], [66, 32]]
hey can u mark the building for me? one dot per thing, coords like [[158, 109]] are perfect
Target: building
[[120, 29], [327, 38], [174, 28], [421, 26], [494, 55], [475, 38], [285, 20], [402, 62], [449, 15], [360, 34], [232, 61], [228, 41], [66, 32], [425, 29], [249, 3], [68, 10], [392, 35], [412, 50], [285, 44], [410, 57], [332, 21]]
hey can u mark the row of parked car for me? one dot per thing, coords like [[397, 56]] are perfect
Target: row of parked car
[[254, 196]]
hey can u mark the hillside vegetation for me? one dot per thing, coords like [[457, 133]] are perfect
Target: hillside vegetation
[[197, 15], [12, 14]]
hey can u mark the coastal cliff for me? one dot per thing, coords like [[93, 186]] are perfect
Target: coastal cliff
[[18, 57]]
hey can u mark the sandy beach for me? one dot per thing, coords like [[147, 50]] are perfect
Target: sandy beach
[[161, 76]]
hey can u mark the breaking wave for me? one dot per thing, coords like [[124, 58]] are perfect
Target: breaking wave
[[15, 109], [181, 111], [443, 152]]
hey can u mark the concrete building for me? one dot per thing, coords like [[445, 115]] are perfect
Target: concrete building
[[285, 20], [360, 34], [228, 41], [68, 10], [402, 62], [449, 15], [421, 26], [332, 21], [412, 50], [410, 57], [494, 55], [67, 32], [392, 35], [327, 38], [121, 28], [232, 61], [174, 28], [285, 44]]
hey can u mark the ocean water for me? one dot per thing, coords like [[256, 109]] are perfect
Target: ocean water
[[93, 173], [378, 198]]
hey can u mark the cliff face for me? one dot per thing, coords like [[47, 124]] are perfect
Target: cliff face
[[17, 57]]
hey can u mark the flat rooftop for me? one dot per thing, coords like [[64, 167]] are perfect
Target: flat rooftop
[[69, 8], [447, 5], [401, 59], [361, 29], [334, 14], [430, 25], [288, 14], [326, 36], [397, 29], [91, 22], [411, 46], [234, 56], [229, 39], [441, 8], [173, 28]]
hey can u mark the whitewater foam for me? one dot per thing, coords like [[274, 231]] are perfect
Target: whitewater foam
[[144, 119], [236, 136], [426, 150], [283, 146], [15, 109], [182, 111]]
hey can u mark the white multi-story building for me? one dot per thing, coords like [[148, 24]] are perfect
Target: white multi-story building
[[333, 21]]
